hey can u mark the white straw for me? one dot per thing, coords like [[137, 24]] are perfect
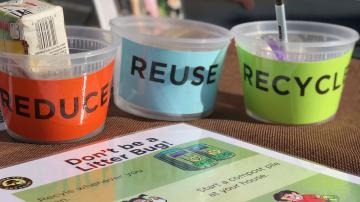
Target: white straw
[[281, 19]]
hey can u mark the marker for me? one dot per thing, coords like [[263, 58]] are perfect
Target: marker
[[281, 20]]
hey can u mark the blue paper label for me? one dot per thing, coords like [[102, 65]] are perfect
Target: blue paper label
[[168, 81]]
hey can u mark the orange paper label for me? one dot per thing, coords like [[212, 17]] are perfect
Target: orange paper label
[[56, 110]]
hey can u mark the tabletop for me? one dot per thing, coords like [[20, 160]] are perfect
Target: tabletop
[[335, 144]]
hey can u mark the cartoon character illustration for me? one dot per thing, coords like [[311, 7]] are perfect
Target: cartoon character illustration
[[211, 151], [293, 196], [145, 198], [13, 182], [186, 160]]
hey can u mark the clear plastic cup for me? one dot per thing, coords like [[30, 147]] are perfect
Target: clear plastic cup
[[299, 82], [53, 99], [168, 69]]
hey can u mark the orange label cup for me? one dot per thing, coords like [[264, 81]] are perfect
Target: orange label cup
[[56, 110]]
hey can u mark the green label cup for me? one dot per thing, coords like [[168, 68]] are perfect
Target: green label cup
[[292, 92]]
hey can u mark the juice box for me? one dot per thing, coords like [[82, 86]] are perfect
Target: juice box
[[32, 27]]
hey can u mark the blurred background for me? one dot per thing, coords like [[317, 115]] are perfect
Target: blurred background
[[226, 13]]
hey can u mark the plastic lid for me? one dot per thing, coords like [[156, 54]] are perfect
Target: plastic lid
[[303, 36], [333, 35], [90, 50], [75, 32], [308, 41], [172, 33]]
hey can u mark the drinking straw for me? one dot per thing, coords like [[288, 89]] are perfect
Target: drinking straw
[[281, 20]]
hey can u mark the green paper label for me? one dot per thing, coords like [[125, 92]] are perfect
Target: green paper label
[[245, 176], [292, 92], [177, 163]]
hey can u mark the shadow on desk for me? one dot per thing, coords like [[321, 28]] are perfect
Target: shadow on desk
[[231, 107], [4, 137], [228, 107]]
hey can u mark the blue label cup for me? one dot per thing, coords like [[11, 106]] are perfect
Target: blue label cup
[[168, 69]]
